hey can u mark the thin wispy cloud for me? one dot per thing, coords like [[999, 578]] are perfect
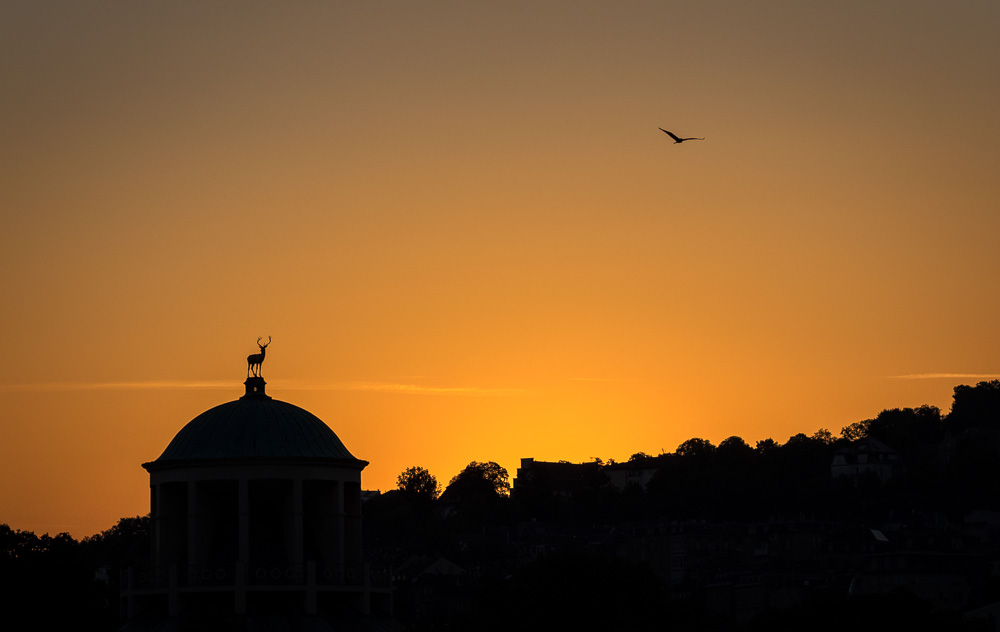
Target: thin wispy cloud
[[137, 385], [947, 376], [416, 389], [296, 385], [403, 386]]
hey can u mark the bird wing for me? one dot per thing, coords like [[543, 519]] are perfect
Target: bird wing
[[670, 135]]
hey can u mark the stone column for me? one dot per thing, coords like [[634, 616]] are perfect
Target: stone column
[[297, 543], [194, 544], [243, 548], [243, 507], [156, 526], [341, 525], [129, 590], [310, 587], [173, 595], [366, 595]]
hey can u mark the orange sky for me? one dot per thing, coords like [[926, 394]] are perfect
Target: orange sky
[[466, 235]]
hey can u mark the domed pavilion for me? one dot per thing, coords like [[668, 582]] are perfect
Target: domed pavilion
[[255, 510]]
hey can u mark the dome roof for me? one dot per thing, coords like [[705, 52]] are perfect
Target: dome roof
[[256, 426]]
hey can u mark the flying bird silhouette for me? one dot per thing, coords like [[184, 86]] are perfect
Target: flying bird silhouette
[[677, 139]]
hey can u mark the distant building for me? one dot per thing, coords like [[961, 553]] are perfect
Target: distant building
[[637, 472], [556, 478], [866, 457], [566, 479], [255, 510]]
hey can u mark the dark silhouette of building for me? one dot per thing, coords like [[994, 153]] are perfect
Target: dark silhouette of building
[[561, 478], [255, 510], [866, 457]]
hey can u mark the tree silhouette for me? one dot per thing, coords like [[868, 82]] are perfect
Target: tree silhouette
[[825, 436], [899, 427], [696, 448], [125, 544], [855, 431], [766, 446], [418, 482], [975, 406], [480, 478], [50, 584], [734, 448]]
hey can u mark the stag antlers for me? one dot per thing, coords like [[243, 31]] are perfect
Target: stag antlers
[[254, 360]]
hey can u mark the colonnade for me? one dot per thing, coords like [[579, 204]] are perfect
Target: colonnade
[[286, 528]]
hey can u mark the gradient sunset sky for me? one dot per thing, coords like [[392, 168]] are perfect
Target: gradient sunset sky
[[467, 236]]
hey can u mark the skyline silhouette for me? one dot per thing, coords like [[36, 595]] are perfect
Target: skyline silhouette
[[979, 406], [898, 518]]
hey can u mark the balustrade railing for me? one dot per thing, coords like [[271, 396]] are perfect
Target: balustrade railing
[[276, 574]]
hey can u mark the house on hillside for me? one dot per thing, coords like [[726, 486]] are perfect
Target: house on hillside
[[638, 473], [558, 479], [567, 479], [864, 457]]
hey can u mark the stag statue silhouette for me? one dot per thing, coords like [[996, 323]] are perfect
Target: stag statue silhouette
[[254, 360]]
